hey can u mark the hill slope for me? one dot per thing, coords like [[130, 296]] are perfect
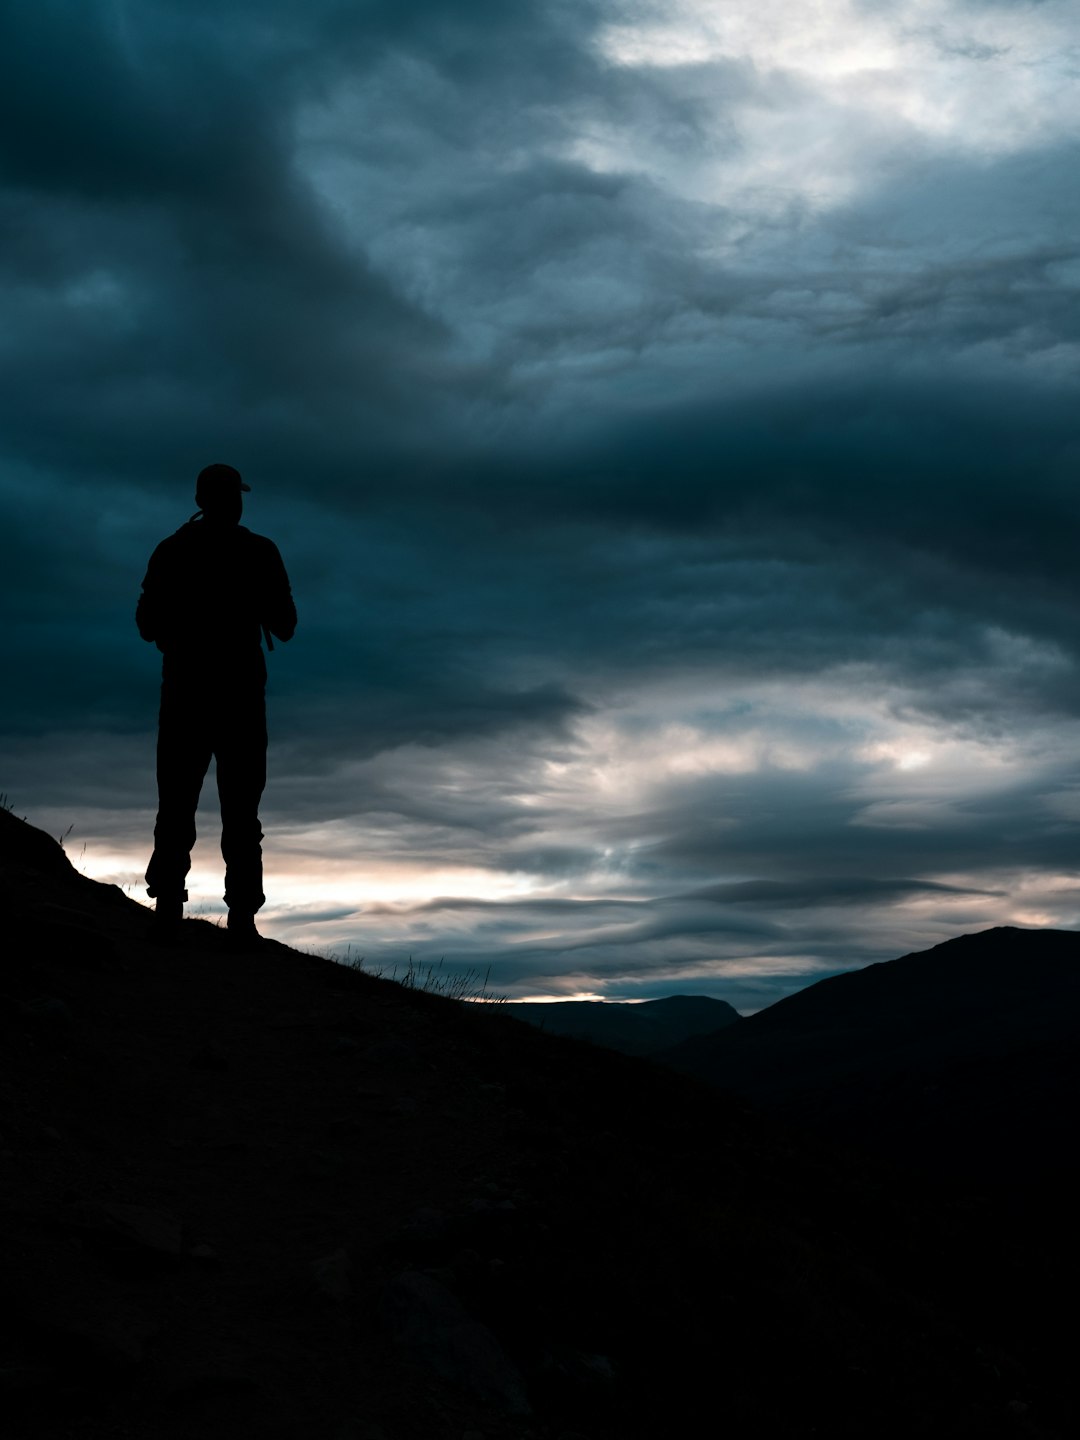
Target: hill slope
[[961, 1059], [267, 1196]]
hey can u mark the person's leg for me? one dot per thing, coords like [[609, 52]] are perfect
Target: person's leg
[[183, 757], [241, 778]]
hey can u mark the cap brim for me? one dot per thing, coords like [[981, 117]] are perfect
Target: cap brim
[[245, 487]]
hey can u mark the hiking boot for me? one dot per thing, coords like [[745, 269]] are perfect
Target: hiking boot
[[242, 932], [166, 921]]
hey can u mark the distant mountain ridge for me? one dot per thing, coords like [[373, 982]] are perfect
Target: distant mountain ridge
[[961, 1059], [644, 1028]]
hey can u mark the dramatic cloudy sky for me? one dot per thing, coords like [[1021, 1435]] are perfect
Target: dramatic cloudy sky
[[668, 414]]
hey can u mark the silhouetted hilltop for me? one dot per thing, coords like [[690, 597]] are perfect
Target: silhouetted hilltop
[[962, 1059], [267, 1196], [25, 850], [641, 1029]]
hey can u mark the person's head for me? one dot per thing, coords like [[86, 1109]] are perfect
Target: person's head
[[218, 494]]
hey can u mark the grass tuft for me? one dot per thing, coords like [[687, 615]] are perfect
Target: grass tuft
[[467, 985]]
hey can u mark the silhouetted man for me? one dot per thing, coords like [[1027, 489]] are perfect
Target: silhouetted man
[[212, 591]]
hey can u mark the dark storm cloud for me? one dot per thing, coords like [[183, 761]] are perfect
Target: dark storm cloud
[[169, 268], [900, 529], [698, 915], [834, 890], [822, 823]]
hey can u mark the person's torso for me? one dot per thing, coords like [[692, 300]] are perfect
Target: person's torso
[[211, 593]]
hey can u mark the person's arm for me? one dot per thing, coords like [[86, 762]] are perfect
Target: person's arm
[[148, 612], [278, 609]]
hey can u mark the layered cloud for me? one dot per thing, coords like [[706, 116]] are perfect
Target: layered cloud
[[667, 415]]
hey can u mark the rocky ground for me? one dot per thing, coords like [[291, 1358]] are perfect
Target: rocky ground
[[267, 1196]]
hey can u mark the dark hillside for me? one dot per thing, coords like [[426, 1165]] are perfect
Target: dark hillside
[[961, 1059], [266, 1196]]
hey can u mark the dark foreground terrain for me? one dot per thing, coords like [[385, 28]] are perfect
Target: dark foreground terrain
[[266, 1196]]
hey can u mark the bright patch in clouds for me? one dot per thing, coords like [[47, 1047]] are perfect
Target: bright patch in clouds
[[820, 94], [364, 882]]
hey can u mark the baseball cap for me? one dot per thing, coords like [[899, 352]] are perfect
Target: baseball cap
[[218, 479]]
